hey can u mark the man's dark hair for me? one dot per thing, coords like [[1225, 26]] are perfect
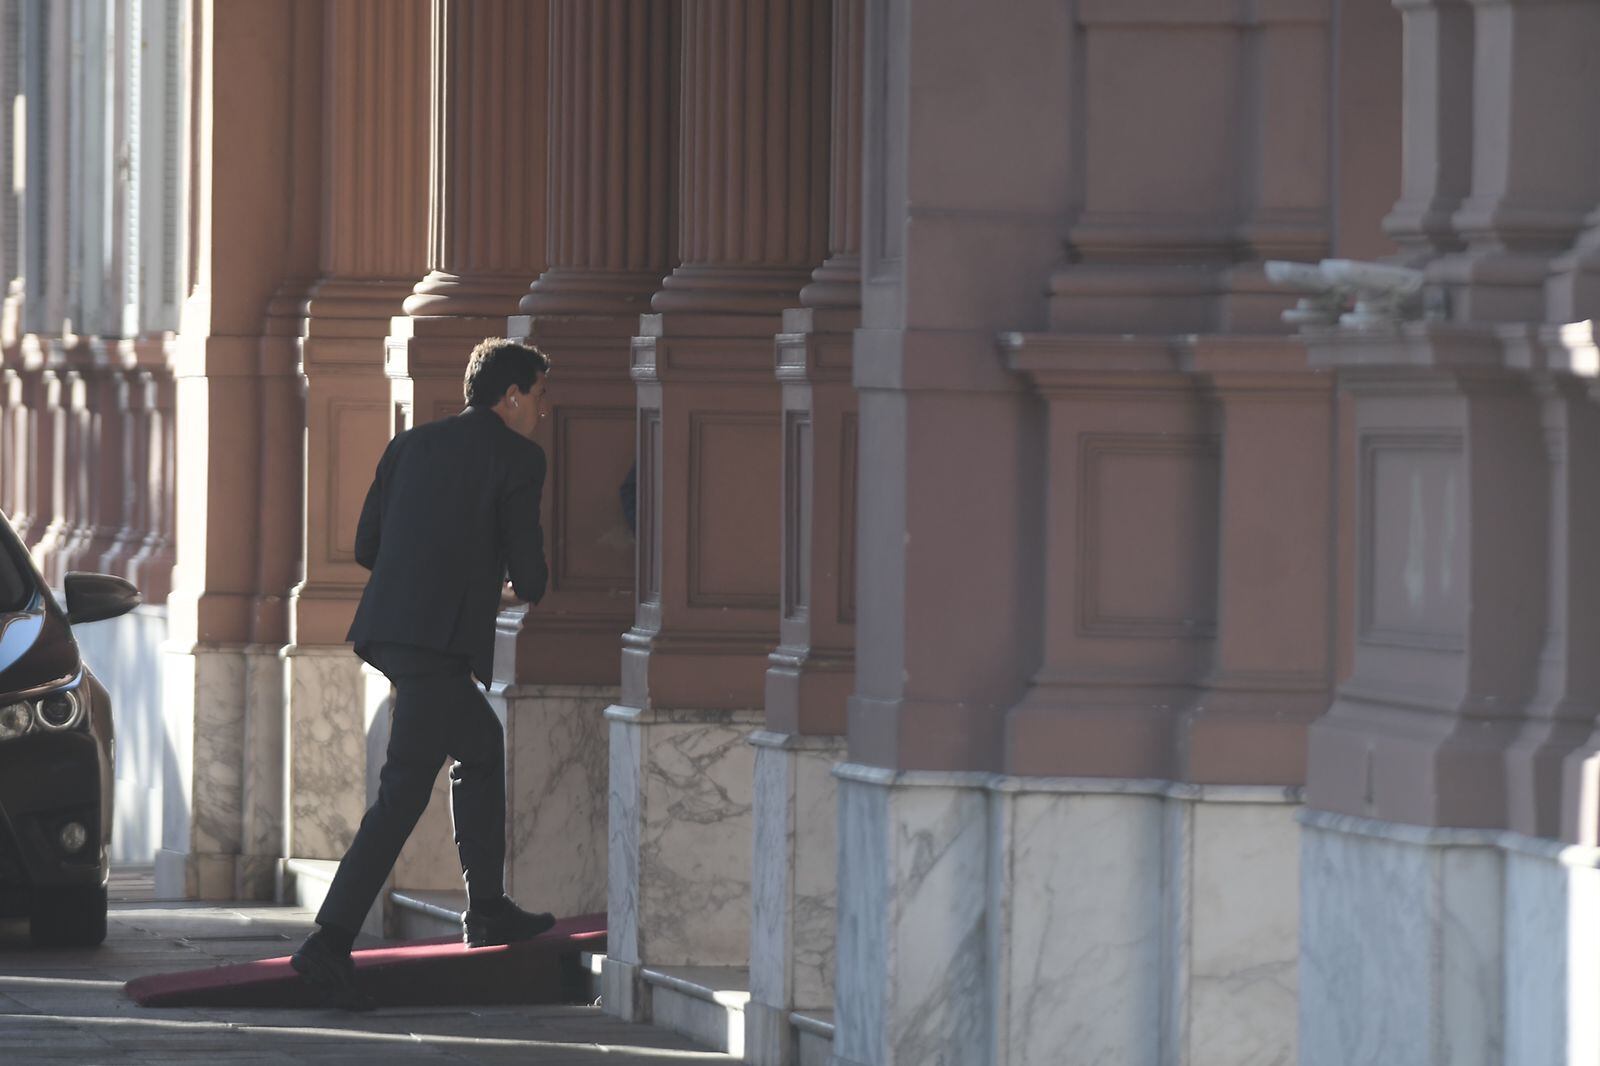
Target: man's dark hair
[[495, 365]]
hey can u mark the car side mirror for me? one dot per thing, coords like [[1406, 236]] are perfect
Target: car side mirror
[[96, 597]]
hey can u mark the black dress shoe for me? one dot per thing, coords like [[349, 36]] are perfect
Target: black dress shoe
[[330, 975], [507, 925]]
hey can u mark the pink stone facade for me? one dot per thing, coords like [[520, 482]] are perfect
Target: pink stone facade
[[1013, 582]]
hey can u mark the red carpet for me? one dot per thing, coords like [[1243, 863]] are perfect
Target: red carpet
[[422, 973]]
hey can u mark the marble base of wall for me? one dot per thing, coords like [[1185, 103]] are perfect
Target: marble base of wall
[[794, 889], [679, 844], [326, 751], [202, 786], [556, 786], [1446, 946], [125, 654], [261, 831], [993, 919]]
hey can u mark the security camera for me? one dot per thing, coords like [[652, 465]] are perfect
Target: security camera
[[1384, 294], [1324, 300]]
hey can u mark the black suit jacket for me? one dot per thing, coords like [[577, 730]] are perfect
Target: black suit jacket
[[453, 509]]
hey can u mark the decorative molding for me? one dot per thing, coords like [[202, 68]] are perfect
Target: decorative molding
[[849, 465], [573, 463], [341, 413], [647, 515], [700, 515], [1093, 619], [1372, 447], [798, 546]]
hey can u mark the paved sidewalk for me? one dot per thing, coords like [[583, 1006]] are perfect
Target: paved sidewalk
[[67, 1006]]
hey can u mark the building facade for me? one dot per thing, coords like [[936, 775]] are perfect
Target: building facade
[[1033, 647]]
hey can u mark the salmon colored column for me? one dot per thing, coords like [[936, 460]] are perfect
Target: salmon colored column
[[811, 673], [608, 245], [486, 243], [239, 210], [752, 205], [486, 198], [374, 245]]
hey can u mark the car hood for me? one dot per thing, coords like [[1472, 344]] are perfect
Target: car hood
[[36, 648]]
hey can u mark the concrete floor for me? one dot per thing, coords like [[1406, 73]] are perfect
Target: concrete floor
[[67, 1006]]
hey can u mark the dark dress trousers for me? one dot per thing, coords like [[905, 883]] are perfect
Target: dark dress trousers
[[453, 510]]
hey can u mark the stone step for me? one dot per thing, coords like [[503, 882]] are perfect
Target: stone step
[[421, 914], [304, 883], [703, 1003], [813, 1036]]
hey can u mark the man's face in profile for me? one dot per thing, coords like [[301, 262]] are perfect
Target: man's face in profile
[[529, 410]]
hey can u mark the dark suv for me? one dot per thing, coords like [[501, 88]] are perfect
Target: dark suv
[[56, 750]]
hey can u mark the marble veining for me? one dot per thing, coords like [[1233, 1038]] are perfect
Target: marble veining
[[694, 844], [1537, 909], [203, 708], [1399, 952], [794, 894], [327, 754], [865, 966], [625, 804], [556, 778], [939, 850], [1085, 936], [262, 787]]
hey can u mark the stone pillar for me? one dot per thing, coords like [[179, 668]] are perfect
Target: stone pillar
[[1165, 217], [1534, 172], [239, 212], [810, 675], [486, 225], [609, 243], [752, 203], [486, 200], [373, 246]]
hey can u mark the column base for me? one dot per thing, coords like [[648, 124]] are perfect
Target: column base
[[327, 749], [1000, 919], [556, 767], [622, 991], [202, 794], [679, 837], [1446, 945], [795, 890]]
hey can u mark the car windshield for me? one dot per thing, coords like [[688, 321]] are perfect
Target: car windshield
[[16, 580]]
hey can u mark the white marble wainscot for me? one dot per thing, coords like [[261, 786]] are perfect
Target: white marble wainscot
[[261, 830], [679, 839], [1232, 924], [327, 749], [556, 784], [1402, 944], [912, 923], [202, 793], [795, 888], [125, 654]]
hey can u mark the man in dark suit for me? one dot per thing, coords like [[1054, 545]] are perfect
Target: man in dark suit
[[453, 510]]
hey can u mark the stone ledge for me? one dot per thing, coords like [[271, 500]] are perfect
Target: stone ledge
[[704, 1003], [813, 1036], [419, 914]]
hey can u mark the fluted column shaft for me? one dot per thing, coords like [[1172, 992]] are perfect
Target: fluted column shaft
[[608, 245], [486, 196], [373, 243], [754, 173], [753, 224], [486, 204]]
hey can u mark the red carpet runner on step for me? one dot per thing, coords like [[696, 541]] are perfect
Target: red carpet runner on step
[[421, 973]]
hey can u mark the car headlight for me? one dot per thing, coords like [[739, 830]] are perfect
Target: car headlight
[[53, 712], [15, 720], [59, 710]]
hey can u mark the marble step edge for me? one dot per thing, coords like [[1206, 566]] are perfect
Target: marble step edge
[[704, 1003], [815, 1022]]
